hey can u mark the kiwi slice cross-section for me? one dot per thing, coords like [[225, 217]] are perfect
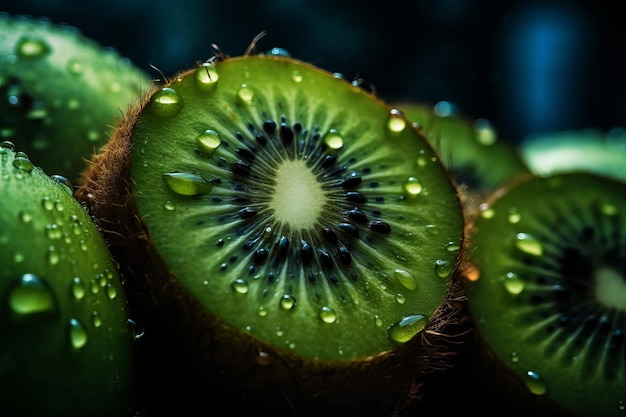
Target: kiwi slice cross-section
[[305, 228], [550, 296]]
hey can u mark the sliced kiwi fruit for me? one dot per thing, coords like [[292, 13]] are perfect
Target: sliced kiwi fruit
[[546, 289], [594, 150], [479, 160], [61, 93], [66, 347], [291, 229]]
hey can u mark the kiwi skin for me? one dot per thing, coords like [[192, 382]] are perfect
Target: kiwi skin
[[207, 361]]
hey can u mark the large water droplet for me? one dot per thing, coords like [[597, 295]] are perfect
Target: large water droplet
[[296, 76], [30, 47], [535, 383], [333, 139], [528, 244], [187, 184], [328, 315], [405, 278], [31, 295], [240, 286], [396, 121], [23, 163], [207, 76], [512, 283], [245, 94], [78, 288], [405, 329], [443, 269], [288, 302], [167, 102], [412, 186], [77, 334], [208, 141]]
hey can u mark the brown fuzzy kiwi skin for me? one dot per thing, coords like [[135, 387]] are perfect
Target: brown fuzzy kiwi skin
[[192, 360]]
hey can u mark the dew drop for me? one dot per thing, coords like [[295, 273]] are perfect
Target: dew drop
[[207, 76], [208, 141], [53, 231], [240, 286], [486, 212], [621, 405], [77, 333], [25, 216], [261, 312], [442, 268], [111, 291], [512, 283], [78, 288], [296, 76], [96, 319], [412, 186], [405, 278], [23, 163], [288, 302], [514, 216], [245, 94], [528, 244], [167, 102], [169, 206], [405, 329], [514, 357], [333, 139], [75, 67], [396, 122], [432, 229], [47, 203], [400, 299], [378, 321], [187, 184], [53, 255], [31, 295], [535, 383], [485, 133], [453, 247], [29, 47], [422, 159], [328, 315]]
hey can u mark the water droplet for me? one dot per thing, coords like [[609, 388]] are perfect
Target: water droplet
[[442, 268], [432, 229], [207, 76], [535, 383], [405, 278], [485, 133], [245, 94], [53, 255], [23, 164], [53, 231], [96, 319], [78, 288], [167, 102], [422, 159], [279, 52], [328, 315], [208, 141], [240, 286], [111, 291], [77, 333], [378, 321], [18, 257], [400, 299], [512, 283], [514, 216], [333, 139], [261, 312], [25, 216], [528, 244], [288, 302], [412, 186], [169, 206], [396, 121], [187, 184], [31, 295], [453, 247], [608, 209], [514, 357], [75, 67], [29, 47], [405, 329], [296, 76], [621, 405]]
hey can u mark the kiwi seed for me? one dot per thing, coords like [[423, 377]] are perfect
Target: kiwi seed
[[548, 289], [298, 232]]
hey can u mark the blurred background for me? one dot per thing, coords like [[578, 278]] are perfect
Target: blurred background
[[527, 66]]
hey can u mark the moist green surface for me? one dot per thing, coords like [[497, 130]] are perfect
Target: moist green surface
[[551, 297], [242, 225], [471, 149], [66, 347], [60, 92]]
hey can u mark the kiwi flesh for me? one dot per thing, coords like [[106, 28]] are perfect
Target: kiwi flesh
[[294, 232], [61, 93], [66, 347], [546, 289]]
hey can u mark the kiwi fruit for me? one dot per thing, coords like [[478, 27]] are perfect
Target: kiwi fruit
[[67, 348], [295, 237], [61, 93], [546, 289], [479, 160], [595, 150]]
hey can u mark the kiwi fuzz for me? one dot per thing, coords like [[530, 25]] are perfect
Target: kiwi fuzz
[[236, 364]]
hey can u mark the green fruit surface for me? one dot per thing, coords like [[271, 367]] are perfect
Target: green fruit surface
[[60, 92], [66, 346], [186, 187], [550, 300]]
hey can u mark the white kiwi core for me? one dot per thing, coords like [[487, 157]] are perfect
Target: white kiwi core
[[298, 197]]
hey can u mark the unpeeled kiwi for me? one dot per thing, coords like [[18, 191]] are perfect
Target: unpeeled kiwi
[[546, 289], [293, 235]]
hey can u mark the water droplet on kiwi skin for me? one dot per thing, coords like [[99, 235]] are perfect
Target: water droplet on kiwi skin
[[233, 353]]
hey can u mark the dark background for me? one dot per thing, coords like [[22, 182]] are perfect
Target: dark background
[[528, 66]]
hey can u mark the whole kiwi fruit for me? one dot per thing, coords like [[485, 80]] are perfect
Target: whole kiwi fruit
[[61, 93], [546, 289], [293, 238], [66, 348]]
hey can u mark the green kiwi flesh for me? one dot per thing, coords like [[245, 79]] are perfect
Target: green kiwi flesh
[[66, 346], [61, 93], [293, 219], [477, 157], [591, 150], [550, 297]]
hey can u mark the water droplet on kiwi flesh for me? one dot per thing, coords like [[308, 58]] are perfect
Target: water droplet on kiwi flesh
[[328, 226], [572, 310]]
